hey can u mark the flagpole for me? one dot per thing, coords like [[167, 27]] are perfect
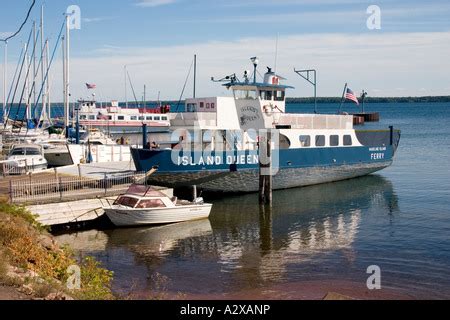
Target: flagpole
[[342, 99]]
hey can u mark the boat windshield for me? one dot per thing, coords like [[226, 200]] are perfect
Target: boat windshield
[[151, 203], [25, 152], [126, 201]]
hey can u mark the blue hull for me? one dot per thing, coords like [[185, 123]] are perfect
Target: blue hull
[[238, 171]]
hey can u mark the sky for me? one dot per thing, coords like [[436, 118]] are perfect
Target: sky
[[157, 39]]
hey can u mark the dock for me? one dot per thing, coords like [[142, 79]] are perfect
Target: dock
[[74, 193]]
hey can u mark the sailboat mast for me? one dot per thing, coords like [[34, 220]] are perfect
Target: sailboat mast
[[44, 97], [47, 81], [5, 76], [34, 61], [67, 77]]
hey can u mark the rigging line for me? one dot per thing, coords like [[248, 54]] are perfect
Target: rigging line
[[14, 78], [50, 64], [185, 83], [21, 26], [18, 78], [25, 82], [132, 89]]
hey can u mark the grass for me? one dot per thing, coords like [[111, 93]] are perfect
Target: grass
[[26, 244]]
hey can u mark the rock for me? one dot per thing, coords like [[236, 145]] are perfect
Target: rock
[[47, 242], [58, 296]]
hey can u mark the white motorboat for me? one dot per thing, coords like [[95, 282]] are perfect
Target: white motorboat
[[25, 158], [143, 205]]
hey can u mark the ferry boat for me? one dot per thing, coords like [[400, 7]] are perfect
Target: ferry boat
[[119, 119], [218, 142]]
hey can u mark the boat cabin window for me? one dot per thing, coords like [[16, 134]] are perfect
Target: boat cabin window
[[120, 118], [151, 203], [245, 94], [157, 118], [91, 117], [320, 141], [25, 152], [347, 140], [83, 117], [191, 107], [141, 118], [163, 118], [305, 141], [279, 95], [149, 118], [126, 201], [266, 94], [334, 140], [109, 117], [212, 105], [202, 105], [133, 118]]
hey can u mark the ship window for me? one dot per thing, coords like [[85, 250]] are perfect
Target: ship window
[[149, 118], [245, 94], [285, 143], [83, 117], [279, 95], [141, 118], [120, 118], [208, 106], [151, 203], [132, 118], [334, 140], [305, 141], [164, 118], [157, 118], [191, 107], [266, 95], [126, 201], [320, 141], [202, 105], [109, 117], [91, 117], [212, 105], [347, 140]]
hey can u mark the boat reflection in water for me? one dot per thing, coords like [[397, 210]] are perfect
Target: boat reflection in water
[[309, 233]]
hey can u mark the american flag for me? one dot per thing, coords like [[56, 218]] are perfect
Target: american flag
[[91, 86], [351, 96]]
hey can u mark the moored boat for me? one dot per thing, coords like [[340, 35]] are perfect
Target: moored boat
[[218, 142], [143, 205]]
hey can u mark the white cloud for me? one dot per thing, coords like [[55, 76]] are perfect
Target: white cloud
[[385, 61], [154, 3]]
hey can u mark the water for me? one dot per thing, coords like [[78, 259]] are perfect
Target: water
[[316, 239]]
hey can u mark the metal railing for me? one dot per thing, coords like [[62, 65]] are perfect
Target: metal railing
[[71, 188]]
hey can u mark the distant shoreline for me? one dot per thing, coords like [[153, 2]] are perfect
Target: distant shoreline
[[424, 99], [374, 99]]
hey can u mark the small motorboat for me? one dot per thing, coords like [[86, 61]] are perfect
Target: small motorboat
[[24, 158], [144, 205]]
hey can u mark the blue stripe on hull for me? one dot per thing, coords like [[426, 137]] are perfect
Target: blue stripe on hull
[[296, 167]]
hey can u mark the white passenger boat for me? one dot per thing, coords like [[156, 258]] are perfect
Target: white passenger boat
[[143, 205]]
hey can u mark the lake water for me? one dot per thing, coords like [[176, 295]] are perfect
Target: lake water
[[316, 239]]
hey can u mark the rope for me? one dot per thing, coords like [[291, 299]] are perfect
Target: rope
[[21, 26]]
